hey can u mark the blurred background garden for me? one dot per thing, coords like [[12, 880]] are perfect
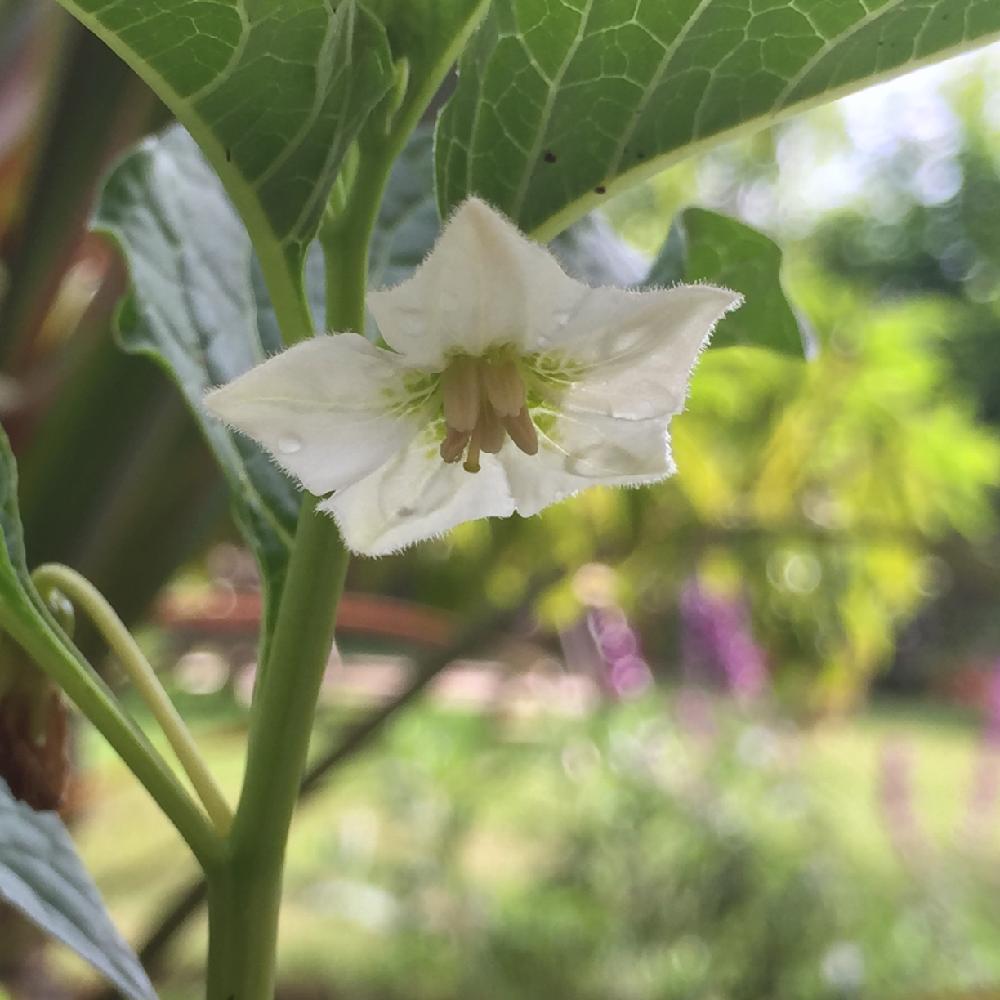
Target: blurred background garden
[[735, 737]]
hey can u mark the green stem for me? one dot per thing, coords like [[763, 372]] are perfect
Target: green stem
[[245, 902], [346, 269], [66, 666], [224, 946], [246, 910], [85, 595]]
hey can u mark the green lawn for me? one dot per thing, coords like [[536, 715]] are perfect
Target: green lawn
[[335, 915]]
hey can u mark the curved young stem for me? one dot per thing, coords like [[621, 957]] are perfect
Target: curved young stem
[[87, 597], [59, 658]]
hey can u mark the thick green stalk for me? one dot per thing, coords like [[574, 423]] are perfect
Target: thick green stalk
[[246, 899], [224, 948], [346, 267]]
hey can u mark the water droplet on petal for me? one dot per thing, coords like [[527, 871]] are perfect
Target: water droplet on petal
[[289, 444]]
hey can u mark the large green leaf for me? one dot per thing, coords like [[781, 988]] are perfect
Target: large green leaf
[[408, 222], [706, 246], [42, 876], [560, 103], [192, 309], [430, 35], [40, 873], [274, 93], [405, 230]]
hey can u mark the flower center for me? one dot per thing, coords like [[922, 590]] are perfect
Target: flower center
[[484, 402]]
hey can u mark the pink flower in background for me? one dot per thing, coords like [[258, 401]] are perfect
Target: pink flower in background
[[717, 642], [628, 673]]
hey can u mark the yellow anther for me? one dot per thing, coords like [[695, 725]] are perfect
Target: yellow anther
[[504, 388], [522, 431], [471, 463], [460, 394], [490, 430], [453, 445], [484, 401]]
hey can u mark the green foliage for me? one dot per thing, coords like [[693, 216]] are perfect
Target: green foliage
[[560, 104], [706, 246], [428, 35], [674, 849], [192, 310], [818, 493], [838, 484], [15, 585], [826, 493], [950, 249], [274, 95], [43, 878], [947, 252]]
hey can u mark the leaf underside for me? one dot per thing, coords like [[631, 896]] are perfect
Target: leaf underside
[[191, 308]]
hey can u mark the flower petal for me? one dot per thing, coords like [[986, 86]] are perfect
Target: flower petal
[[330, 409], [484, 284], [415, 496], [636, 349], [582, 450]]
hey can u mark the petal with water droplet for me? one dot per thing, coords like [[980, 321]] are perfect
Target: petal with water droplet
[[415, 496], [634, 351], [289, 444], [583, 450], [330, 410]]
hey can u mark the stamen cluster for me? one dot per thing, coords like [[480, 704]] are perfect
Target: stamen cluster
[[484, 402]]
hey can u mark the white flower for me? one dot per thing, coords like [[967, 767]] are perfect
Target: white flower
[[506, 386]]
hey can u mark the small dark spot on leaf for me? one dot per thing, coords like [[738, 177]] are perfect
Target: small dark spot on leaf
[[600, 189], [640, 154], [549, 156], [229, 155]]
